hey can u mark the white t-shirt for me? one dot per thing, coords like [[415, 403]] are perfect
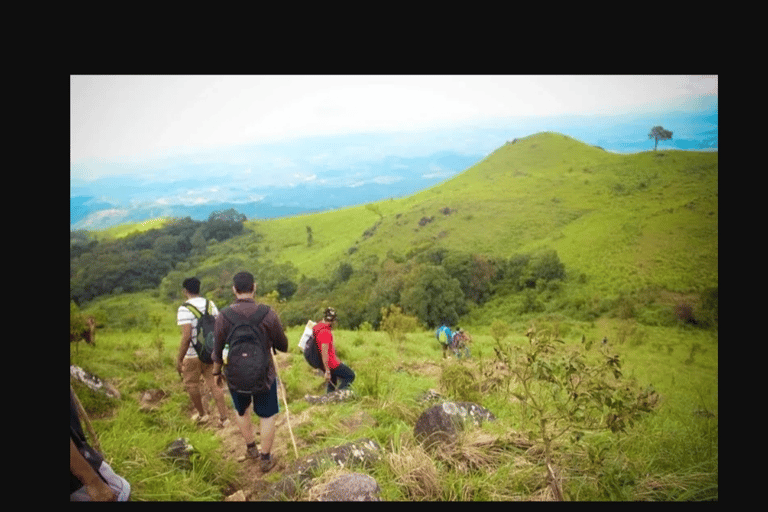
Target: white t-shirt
[[185, 316]]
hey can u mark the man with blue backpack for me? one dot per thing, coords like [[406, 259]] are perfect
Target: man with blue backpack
[[445, 337], [196, 318]]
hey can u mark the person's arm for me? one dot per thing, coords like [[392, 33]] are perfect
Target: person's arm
[[96, 488], [324, 355], [186, 339], [220, 338], [276, 331]]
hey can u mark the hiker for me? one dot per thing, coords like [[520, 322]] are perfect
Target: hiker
[[460, 343], [188, 363], [445, 337], [90, 477], [337, 374], [251, 330]]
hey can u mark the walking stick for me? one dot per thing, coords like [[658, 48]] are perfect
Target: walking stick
[[84, 417], [285, 401]]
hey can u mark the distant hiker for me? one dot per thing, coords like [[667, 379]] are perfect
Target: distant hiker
[[188, 363], [90, 477], [445, 337], [251, 330], [460, 344], [337, 374]]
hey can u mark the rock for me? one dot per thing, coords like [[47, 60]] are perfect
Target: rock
[[429, 396], [442, 422], [179, 453], [238, 496], [94, 382], [150, 398], [351, 487], [340, 395], [361, 453]]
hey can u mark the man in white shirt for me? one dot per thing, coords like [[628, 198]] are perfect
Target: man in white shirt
[[188, 364]]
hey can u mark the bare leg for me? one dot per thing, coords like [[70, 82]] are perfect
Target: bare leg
[[267, 433], [245, 425]]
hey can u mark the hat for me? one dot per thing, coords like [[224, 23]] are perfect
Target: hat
[[329, 315]]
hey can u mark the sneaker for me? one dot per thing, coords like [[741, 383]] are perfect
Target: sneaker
[[199, 419], [224, 423], [267, 464]]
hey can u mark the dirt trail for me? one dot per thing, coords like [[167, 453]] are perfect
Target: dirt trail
[[251, 480]]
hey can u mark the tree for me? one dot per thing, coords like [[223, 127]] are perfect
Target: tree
[[658, 133], [433, 296]]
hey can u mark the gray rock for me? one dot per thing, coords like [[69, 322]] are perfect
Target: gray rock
[[351, 487], [179, 453], [442, 422], [341, 395], [361, 453]]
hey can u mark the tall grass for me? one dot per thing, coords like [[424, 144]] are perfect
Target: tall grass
[[671, 454]]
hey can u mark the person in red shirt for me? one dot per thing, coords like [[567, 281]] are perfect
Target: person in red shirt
[[337, 374]]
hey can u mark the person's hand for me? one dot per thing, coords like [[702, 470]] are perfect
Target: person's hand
[[178, 367], [327, 375]]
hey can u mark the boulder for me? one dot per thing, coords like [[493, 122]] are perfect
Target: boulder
[[350, 487], [442, 422]]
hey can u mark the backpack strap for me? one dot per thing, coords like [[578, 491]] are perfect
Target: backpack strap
[[197, 312], [192, 309]]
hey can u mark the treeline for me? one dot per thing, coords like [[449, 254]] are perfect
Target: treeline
[[435, 286], [141, 260]]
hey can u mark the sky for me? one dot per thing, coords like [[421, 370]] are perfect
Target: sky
[[124, 120]]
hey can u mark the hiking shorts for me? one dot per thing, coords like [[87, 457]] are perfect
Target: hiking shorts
[[264, 404], [192, 368]]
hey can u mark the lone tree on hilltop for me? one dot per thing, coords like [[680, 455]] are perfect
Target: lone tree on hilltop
[[658, 133]]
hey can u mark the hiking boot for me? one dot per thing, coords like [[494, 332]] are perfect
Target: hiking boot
[[252, 452], [267, 464]]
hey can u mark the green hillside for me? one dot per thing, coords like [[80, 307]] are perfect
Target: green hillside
[[646, 219], [619, 223], [636, 235]]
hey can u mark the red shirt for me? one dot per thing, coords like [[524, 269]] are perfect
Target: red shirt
[[322, 332]]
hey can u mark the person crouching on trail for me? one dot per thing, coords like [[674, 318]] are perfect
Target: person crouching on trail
[[337, 374]]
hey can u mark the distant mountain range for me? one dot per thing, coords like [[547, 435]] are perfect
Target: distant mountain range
[[323, 173]]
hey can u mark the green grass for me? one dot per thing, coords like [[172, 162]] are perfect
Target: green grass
[[669, 455]]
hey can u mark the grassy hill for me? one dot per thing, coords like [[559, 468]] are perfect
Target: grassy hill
[[619, 223]]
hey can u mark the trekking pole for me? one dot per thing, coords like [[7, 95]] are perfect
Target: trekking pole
[[84, 417], [285, 401]]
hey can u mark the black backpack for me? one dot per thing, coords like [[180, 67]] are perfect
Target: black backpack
[[203, 342], [247, 368], [312, 353]]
